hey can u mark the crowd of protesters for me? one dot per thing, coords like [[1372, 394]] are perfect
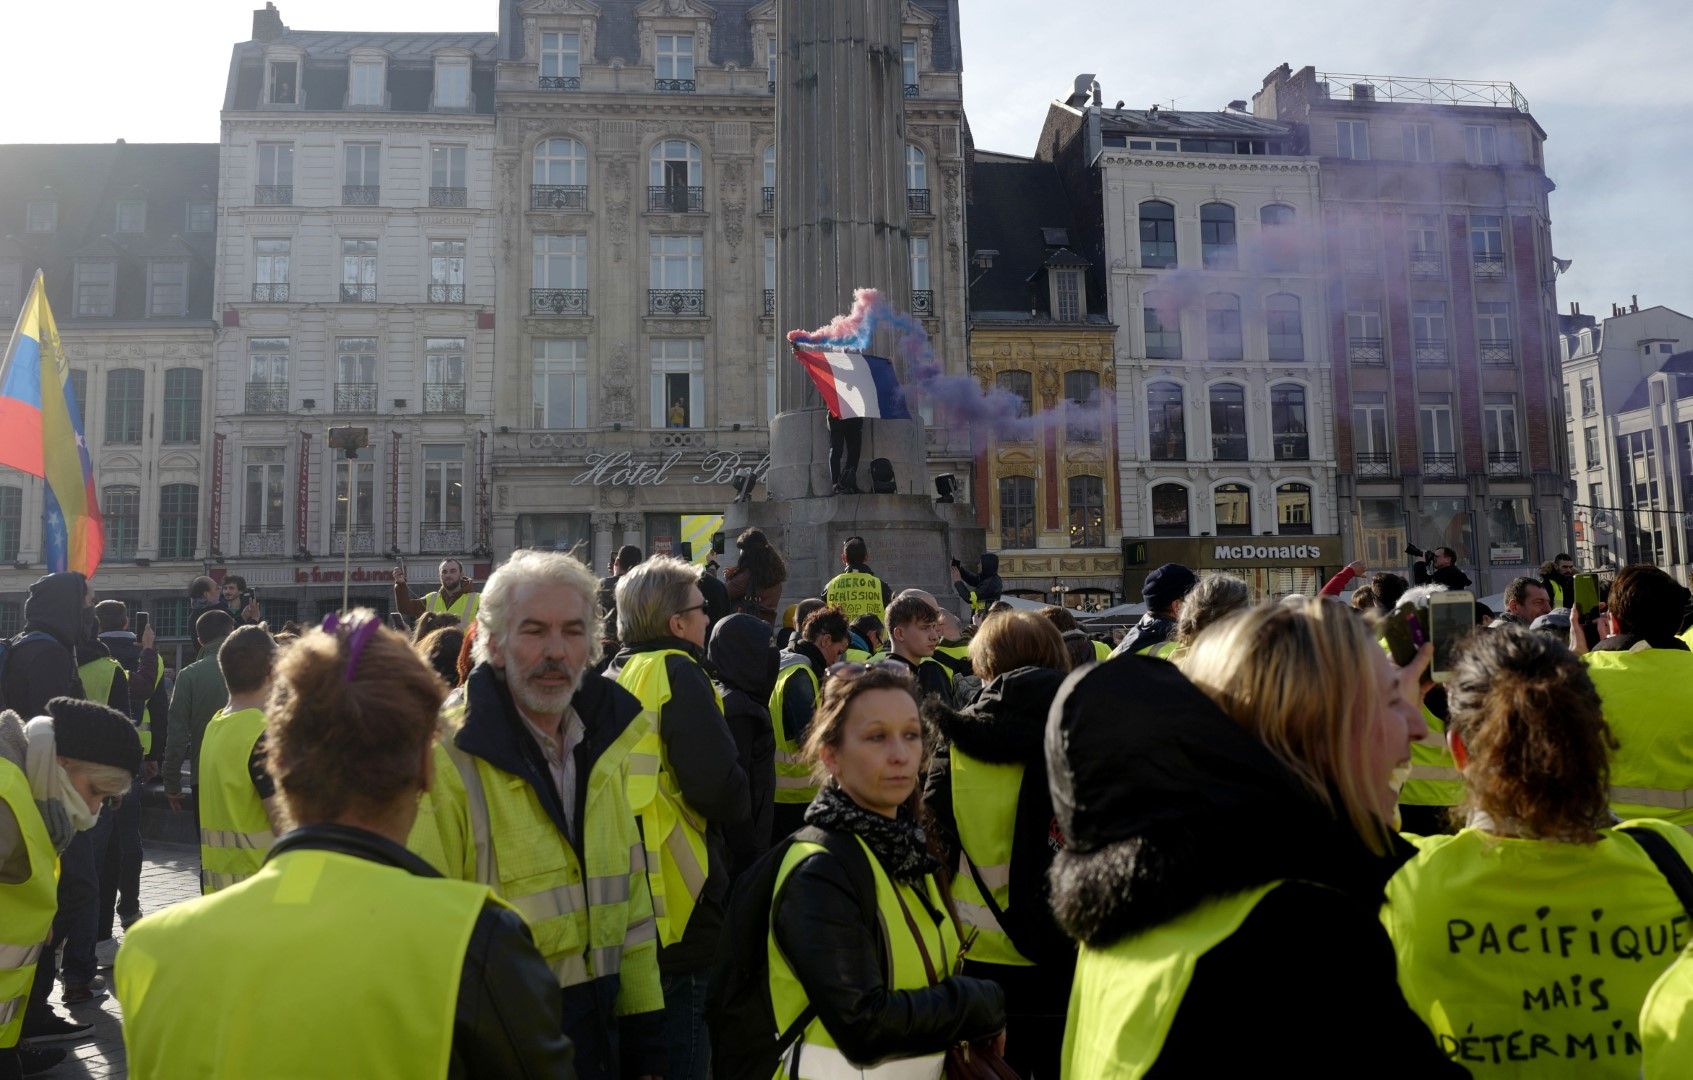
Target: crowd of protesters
[[670, 824]]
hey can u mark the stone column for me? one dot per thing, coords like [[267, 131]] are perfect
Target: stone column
[[603, 548]]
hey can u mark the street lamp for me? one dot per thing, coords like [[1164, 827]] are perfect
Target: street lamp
[[1059, 589], [348, 440]]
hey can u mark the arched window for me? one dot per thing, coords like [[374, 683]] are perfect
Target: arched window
[[560, 177], [1087, 511], [1169, 510], [1166, 425], [1278, 239], [1228, 422], [1083, 421], [1289, 430], [1286, 327], [1232, 504], [916, 180], [1021, 384], [769, 204], [1293, 509], [1162, 320], [1016, 512], [1217, 245], [1157, 234], [1222, 326], [673, 177]]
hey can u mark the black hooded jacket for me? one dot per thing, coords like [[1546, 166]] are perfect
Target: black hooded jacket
[[41, 669], [988, 585], [745, 659], [1176, 805]]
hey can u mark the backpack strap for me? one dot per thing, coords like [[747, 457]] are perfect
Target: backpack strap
[[1669, 863], [844, 847]]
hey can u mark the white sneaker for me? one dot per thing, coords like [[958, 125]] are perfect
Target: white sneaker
[[106, 952]]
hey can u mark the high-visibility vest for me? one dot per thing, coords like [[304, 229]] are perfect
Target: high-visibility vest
[[98, 676], [391, 944], [672, 831], [1167, 650], [1665, 1035], [27, 908], [793, 775], [587, 906], [1126, 995], [815, 1056], [984, 805], [1434, 779], [855, 594], [955, 658], [1101, 651], [235, 831], [146, 728], [1534, 957], [857, 656], [1647, 698], [464, 607], [1557, 592]]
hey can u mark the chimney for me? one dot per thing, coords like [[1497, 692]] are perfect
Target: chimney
[[1575, 309], [1237, 105], [267, 24], [1634, 303]]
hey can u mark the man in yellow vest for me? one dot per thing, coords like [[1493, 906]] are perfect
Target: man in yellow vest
[[120, 872], [529, 798], [454, 597], [696, 786], [867, 637], [239, 816], [857, 590], [1644, 675], [913, 623], [800, 672], [1558, 576]]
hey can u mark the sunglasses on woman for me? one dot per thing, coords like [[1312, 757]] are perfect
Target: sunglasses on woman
[[848, 670]]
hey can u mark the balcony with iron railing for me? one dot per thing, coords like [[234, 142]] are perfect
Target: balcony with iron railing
[[1419, 90], [361, 194], [273, 194], [558, 302], [355, 397], [910, 90], [770, 301], [675, 301], [922, 302], [664, 199], [1228, 447], [917, 200], [1360, 261], [446, 294], [1488, 265], [443, 397], [561, 82], [1292, 447], [1365, 351], [558, 196], [363, 539], [1426, 265], [258, 542], [358, 293], [1374, 465], [1504, 463], [1496, 352], [1440, 466], [674, 86], [443, 537], [767, 202], [1430, 351], [270, 292], [448, 196], [267, 397]]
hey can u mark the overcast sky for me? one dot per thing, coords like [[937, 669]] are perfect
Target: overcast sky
[[1607, 80]]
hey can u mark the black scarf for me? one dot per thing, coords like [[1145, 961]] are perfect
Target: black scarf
[[898, 843]]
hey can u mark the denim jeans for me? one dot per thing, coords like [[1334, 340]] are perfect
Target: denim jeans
[[685, 1040], [120, 866]]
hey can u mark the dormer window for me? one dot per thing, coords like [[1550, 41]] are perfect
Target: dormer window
[[365, 84], [673, 63], [561, 61], [908, 67], [452, 83], [282, 82], [41, 216], [202, 215], [1067, 295], [132, 216]]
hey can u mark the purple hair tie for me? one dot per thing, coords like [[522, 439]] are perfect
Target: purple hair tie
[[362, 631]]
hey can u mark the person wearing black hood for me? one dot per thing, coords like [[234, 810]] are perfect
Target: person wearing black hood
[[1163, 592], [58, 628], [991, 816], [978, 590], [1227, 854], [745, 660]]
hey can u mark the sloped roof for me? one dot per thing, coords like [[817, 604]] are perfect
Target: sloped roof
[[323, 82], [1172, 122], [1014, 202], [1679, 366]]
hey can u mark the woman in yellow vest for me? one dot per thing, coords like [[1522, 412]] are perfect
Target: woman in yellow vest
[[991, 815], [1226, 842], [885, 995], [1529, 940], [346, 954], [55, 771]]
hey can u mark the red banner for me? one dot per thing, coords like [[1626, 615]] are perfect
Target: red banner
[[394, 497], [216, 541], [303, 494]]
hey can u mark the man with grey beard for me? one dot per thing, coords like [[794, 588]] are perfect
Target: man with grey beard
[[529, 798]]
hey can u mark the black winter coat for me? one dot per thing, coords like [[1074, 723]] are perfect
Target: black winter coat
[[40, 670], [1206, 811], [1151, 630], [745, 659]]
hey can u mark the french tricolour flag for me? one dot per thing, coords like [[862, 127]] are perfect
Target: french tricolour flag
[[854, 384]]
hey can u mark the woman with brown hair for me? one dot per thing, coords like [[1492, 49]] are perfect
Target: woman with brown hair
[[873, 949], [440, 650], [990, 811], [1539, 898], [430, 977], [755, 582]]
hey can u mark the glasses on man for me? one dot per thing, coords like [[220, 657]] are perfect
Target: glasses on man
[[691, 607], [848, 670]]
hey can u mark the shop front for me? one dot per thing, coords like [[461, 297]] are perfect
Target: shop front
[[1274, 566]]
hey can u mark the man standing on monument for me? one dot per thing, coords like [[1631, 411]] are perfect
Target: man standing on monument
[[857, 590], [455, 596]]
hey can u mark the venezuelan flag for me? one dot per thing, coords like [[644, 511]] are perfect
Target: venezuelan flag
[[41, 435]]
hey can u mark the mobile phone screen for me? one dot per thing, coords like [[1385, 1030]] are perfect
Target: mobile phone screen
[[1451, 621], [1586, 593]]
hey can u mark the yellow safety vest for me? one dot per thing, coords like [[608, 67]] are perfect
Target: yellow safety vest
[[590, 910], [1101, 651], [855, 594], [1126, 995], [793, 775], [26, 908], [319, 963], [815, 1056], [464, 607], [235, 831], [1557, 592], [1533, 957], [672, 831], [1647, 698], [984, 805], [1167, 650], [1666, 1023], [857, 656], [1434, 779], [146, 709], [97, 677]]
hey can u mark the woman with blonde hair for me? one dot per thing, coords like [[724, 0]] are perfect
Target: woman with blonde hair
[[1227, 841], [1214, 599]]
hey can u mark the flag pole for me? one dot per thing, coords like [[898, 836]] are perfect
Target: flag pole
[[18, 326]]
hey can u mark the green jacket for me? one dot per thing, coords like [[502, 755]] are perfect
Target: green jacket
[[199, 693]]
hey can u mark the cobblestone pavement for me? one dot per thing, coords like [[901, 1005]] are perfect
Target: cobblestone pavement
[[169, 875]]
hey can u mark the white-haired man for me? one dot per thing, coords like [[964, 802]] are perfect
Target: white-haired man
[[698, 787], [454, 597], [529, 798]]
